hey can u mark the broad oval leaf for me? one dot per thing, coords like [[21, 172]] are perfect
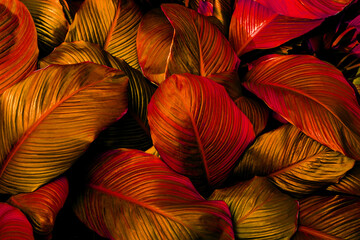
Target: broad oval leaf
[[50, 22], [259, 210], [349, 184], [14, 224], [197, 129], [42, 205], [254, 26], [18, 43], [112, 24], [49, 119], [312, 95], [293, 161], [311, 9], [131, 131], [333, 218], [145, 199]]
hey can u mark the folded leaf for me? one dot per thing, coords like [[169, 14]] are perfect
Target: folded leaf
[[197, 129], [333, 218], [255, 110], [293, 161], [312, 95], [259, 210], [254, 26], [65, 109], [50, 22], [311, 9], [145, 199], [111, 24], [43, 205], [349, 184], [13, 224], [18, 43]]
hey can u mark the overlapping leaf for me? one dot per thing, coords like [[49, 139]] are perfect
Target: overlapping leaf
[[312, 95], [311, 9], [193, 46], [43, 205], [145, 199], [49, 119], [334, 217], [132, 131], [18, 45], [50, 21], [197, 129], [14, 224], [254, 26], [111, 24], [350, 184], [259, 210], [293, 161]]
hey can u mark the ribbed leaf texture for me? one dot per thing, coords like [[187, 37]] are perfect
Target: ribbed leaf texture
[[145, 199], [66, 107], [42, 206], [197, 129], [259, 210], [350, 184], [254, 26], [50, 22], [293, 161], [18, 43], [14, 224], [311, 9], [330, 218], [312, 95], [112, 24]]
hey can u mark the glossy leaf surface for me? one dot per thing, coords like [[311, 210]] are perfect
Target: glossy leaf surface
[[43, 205], [67, 107], [293, 161], [330, 218], [254, 26], [50, 22], [18, 43], [14, 224], [311, 9], [145, 199], [111, 24], [312, 95], [349, 184], [197, 129], [259, 210]]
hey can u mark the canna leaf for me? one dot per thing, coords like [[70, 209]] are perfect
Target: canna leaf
[[18, 43], [66, 107], [50, 22], [13, 224], [312, 95], [293, 161], [330, 218], [254, 26], [259, 210], [145, 199], [349, 184], [197, 129], [43, 205], [311, 9], [132, 131], [111, 24]]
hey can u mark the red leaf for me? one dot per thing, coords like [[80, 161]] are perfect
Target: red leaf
[[312, 95], [13, 224], [197, 129], [18, 43], [134, 195], [43, 205], [254, 26], [311, 9]]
